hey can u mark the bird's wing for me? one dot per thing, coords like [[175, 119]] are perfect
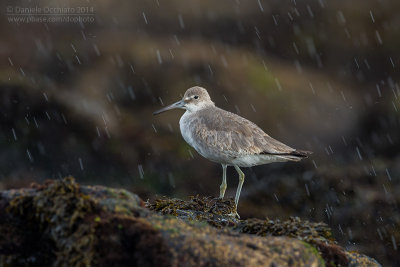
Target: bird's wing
[[224, 131]]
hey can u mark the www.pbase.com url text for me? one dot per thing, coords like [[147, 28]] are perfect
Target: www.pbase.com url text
[[50, 19]]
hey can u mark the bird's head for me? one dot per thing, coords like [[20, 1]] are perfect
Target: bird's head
[[194, 99]]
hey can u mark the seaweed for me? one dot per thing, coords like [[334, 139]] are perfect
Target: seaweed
[[69, 218], [216, 212], [64, 223], [57, 210]]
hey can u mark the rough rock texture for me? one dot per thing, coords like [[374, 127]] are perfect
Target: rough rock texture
[[62, 223]]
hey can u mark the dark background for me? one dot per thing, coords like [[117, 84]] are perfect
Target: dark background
[[77, 99]]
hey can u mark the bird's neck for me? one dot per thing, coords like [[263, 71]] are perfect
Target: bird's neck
[[199, 107]]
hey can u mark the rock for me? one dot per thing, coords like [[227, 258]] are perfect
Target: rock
[[62, 223]]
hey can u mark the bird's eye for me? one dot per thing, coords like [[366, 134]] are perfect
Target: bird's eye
[[196, 97]]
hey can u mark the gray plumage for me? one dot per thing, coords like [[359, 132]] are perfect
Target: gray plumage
[[227, 138], [223, 132]]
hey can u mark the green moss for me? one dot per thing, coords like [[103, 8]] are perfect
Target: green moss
[[315, 252], [293, 227], [68, 215], [196, 203], [214, 211], [60, 208], [317, 237], [63, 223]]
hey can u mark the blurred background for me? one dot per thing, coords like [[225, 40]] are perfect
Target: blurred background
[[76, 98]]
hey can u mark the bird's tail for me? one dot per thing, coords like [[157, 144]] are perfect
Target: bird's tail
[[301, 153], [296, 155]]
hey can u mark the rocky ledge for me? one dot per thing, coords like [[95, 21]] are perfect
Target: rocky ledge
[[62, 223]]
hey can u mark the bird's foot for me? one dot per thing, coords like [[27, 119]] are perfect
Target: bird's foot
[[234, 215]]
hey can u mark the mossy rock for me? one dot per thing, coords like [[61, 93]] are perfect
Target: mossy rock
[[216, 212], [62, 223]]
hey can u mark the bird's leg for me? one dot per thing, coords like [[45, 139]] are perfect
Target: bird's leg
[[239, 188], [222, 188]]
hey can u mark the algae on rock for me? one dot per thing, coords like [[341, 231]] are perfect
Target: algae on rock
[[64, 223]]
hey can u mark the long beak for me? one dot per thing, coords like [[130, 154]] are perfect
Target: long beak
[[179, 104]]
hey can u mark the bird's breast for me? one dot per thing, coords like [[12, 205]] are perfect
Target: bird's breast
[[195, 138], [186, 130]]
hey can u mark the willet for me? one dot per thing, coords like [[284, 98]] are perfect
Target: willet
[[227, 138]]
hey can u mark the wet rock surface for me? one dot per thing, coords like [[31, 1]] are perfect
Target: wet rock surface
[[64, 223]]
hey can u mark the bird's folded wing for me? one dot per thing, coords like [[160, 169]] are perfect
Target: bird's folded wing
[[228, 132]]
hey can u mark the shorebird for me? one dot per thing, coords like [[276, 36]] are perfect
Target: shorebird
[[226, 138]]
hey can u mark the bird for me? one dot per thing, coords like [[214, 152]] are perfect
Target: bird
[[227, 138]]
